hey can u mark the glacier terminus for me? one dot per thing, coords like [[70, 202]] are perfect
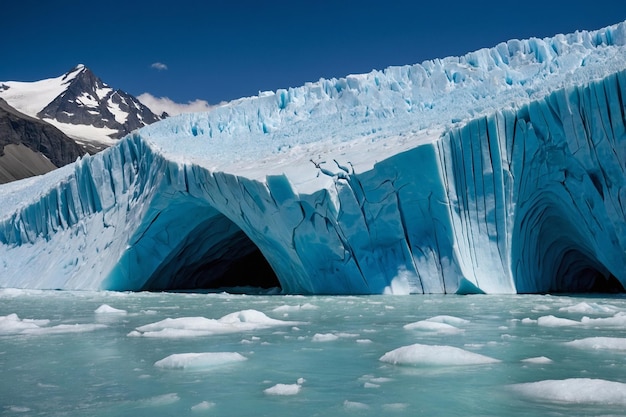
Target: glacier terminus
[[501, 171]]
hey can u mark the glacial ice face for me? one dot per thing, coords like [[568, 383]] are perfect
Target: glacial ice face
[[336, 188]]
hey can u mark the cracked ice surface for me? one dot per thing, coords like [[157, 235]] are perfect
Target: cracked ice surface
[[500, 171]]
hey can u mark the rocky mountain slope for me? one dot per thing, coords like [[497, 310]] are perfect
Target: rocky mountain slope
[[29, 146]]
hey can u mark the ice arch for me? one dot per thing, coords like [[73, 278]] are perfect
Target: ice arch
[[190, 246]]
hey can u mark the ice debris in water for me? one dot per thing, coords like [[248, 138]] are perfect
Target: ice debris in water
[[199, 361], [355, 405], [107, 309], [618, 320], [12, 324], [239, 321], [431, 326], [203, 406], [589, 308], [552, 321], [434, 355], [291, 309], [599, 343], [538, 360], [285, 389], [575, 390], [324, 337], [161, 400]]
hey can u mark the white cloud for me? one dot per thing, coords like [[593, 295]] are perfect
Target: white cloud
[[159, 66], [159, 105]]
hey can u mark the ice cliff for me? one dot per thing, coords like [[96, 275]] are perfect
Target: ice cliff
[[500, 171]]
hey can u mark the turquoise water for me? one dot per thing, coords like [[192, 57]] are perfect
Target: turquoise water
[[72, 361]]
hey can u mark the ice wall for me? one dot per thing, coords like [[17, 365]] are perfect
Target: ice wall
[[526, 200], [522, 192]]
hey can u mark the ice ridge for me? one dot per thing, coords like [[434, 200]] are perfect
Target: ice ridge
[[436, 93], [349, 193]]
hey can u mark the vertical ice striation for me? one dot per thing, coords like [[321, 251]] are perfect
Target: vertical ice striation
[[336, 188]]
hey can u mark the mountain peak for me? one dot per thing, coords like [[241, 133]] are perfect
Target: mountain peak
[[74, 72], [80, 104]]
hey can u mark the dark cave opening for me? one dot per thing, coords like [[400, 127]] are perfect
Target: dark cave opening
[[579, 273], [215, 254], [245, 271]]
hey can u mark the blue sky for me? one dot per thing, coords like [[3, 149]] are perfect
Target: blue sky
[[222, 50]]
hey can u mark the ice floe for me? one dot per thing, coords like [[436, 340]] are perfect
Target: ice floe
[[575, 390], [199, 361], [107, 309], [599, 343], [434, 355], [13, 325], [240, 321], [283, 389], [538, 360]]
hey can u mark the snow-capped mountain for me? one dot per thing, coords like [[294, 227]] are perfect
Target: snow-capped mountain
[[500, 171], [81, 105]]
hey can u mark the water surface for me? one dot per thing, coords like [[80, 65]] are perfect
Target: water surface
[[72, 354]]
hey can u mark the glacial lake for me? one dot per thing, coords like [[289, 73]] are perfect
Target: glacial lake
[[181, 354]]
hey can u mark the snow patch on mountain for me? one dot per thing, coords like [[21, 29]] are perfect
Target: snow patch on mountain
[[31, 97]]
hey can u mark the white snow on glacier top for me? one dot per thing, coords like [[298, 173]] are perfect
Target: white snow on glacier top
[[364, 118]]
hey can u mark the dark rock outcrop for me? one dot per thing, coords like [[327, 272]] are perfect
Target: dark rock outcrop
[[28, 133]]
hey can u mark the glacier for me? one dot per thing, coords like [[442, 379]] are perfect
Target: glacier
[[501, 171]]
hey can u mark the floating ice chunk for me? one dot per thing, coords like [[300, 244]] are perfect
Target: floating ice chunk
[[18, 409], [575, 390], [12, 324], [395, 407], [203, 406], [381, 380], [240, 321], [283, 389], [65, 328], [107, 309], [370, 385], [552, 321], [364, 341], [431, 326], [324, 337], [354, 405], [528, 320], [452, 320], [618, 320], [599, 343], [252, 316], [199, 361], [434, 355], [160, 400], [538, 360], [291, 309], [347, 335], [589, 308]]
